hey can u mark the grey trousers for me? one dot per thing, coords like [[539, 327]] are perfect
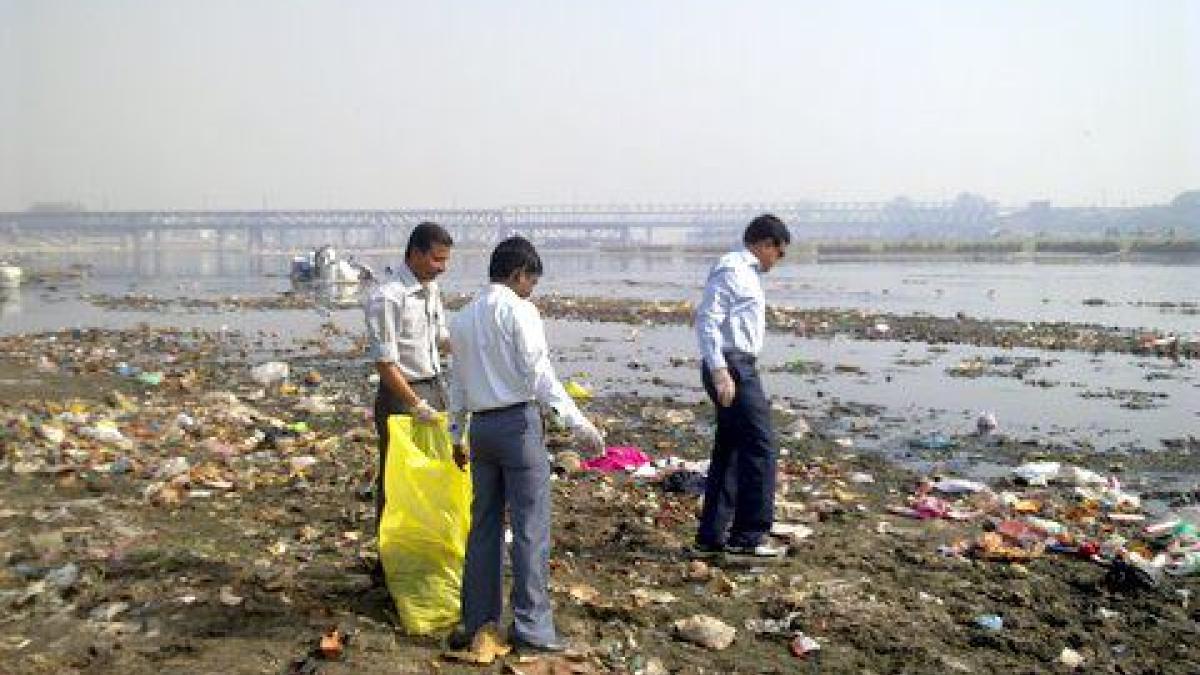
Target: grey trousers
[[509, 467]]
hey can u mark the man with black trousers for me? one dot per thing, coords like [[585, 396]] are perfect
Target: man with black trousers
[[406, 327], [739, 496]]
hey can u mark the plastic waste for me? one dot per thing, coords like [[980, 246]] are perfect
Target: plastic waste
[[52, 434], [1186, 564], [1050, 527], [989, 622], [958, 486], [684, 482], [1038, 473], [706, 631], [1078, 475], [803, 645], [1110, 497], [577, 391], [63, 578], [151, 379], [105, 432], [301, 463], [617, 458], [173, 467], [1070, 658], [269, 373]]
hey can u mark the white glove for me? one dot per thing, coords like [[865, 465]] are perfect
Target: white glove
[[589, 436], [723, 383], [424, 412]]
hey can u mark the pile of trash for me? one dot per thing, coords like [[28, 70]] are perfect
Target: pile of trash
[[1059, 508]]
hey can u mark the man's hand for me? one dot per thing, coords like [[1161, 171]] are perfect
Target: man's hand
[[424, 412], [460, 456], [589, 436], [724, 386]]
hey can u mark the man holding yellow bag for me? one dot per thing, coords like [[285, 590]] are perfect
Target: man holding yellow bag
[[501, 371], [406, 326]]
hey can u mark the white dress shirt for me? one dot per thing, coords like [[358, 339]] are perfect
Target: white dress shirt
[[405, 320], [732, 315], [500, 358]]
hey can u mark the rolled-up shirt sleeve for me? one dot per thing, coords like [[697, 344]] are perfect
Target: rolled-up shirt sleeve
[[529, 336], [712, 313], [381, 330]]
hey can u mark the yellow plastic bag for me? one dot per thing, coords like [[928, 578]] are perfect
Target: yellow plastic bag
[[423, 535]]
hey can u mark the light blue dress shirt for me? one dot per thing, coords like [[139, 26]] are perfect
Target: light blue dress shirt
[[732, 315]]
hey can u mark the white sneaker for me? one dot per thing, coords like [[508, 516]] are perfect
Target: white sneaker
[[760, 551]]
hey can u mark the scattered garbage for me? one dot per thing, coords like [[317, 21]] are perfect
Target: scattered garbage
[[577, 391], [803, 645], [617, 458], [992, 622], [706, 631], [269, 373], [213, 453], [1070, 658], [486, 646]]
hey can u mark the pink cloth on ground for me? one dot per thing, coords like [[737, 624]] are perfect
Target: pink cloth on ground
[[618, 458]]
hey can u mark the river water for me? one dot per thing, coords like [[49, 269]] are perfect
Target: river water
[[1075, 398]]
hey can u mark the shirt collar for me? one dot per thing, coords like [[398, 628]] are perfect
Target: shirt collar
[[503, 289], [750, 259], [407, 279]]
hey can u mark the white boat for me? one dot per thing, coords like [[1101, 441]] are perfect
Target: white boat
[[323, 265], [10, 275]]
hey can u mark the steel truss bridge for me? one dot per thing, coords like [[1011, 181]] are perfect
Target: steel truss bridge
[[631, 225]]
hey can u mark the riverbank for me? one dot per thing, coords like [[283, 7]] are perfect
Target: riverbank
[[824, 322], [162, 511]]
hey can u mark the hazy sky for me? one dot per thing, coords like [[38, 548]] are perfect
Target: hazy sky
[[388, 104]]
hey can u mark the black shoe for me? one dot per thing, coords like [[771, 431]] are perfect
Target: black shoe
[[458, 640], [554, 647], [706, 550]]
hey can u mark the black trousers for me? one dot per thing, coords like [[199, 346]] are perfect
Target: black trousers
[[739, 495], [387, 403]]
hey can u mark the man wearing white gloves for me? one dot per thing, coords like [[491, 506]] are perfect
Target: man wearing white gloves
[[501, 371], [406, 326], [739, 496]]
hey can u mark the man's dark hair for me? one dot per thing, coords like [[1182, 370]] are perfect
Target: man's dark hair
[[766, 226], [424, 236], [515, 254]]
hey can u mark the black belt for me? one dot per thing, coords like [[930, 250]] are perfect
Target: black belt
[[504, 408], [427, 380], [741, 357]]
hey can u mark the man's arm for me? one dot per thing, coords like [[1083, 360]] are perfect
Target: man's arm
[[458, 414], [529, 338], [711, 313], [393, 379], [381, 330]]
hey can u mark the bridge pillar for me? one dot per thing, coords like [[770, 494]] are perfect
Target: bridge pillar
[[255, 240], [281, 239], [381, 236]]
